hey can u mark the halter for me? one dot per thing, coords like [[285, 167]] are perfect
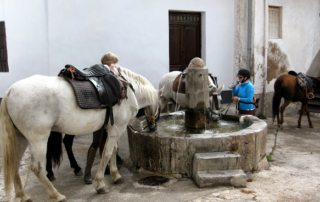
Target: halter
[[152, 119]]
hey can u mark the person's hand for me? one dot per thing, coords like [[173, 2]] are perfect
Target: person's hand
[[235, 98]]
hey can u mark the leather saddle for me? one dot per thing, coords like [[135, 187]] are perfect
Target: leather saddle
[[305, 83], [179, 84], [95, 87]]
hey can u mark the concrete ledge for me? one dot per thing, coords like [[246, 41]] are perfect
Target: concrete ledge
[[235, 178], [216, 161]]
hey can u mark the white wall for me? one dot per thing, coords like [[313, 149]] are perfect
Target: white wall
[[43, 36], [27, 40], [300, 35]]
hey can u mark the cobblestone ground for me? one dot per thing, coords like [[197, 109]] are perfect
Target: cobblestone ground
[[294, 174]]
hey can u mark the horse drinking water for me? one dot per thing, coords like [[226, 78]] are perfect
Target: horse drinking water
[[171, 83], [34, 106]]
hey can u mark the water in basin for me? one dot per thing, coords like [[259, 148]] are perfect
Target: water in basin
[[174, 124]]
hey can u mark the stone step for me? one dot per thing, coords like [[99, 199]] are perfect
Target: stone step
[[210, 178], [216, 161]]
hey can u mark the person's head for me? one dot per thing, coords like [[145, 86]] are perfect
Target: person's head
[[109, 59], [243, 75]]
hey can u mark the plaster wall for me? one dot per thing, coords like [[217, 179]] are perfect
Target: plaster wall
[[242, 47], [300, 40], [27, 40], [43, 36]]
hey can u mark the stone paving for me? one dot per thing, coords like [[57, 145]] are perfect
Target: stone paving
[[294, 174]]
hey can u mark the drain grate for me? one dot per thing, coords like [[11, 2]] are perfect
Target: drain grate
[[153, 180]]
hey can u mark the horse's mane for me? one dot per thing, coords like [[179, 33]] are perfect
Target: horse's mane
[[145, 86]]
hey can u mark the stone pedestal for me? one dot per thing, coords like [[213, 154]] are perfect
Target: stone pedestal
[[197, 94], [166, 153], [195, 119]]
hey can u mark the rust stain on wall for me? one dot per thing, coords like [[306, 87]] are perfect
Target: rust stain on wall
[[277, 61]]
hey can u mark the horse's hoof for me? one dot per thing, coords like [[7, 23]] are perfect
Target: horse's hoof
[[28, 200], [51, 178], [101, 191], [61, 198], [118, 181], [78, 172], [87, 180]]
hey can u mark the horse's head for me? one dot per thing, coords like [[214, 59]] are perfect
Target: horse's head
[[152, 114], [146, 95]]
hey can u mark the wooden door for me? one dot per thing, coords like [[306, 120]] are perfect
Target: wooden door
[[185, 39]]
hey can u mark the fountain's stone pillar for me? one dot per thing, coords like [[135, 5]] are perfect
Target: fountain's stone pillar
[[197, 94]]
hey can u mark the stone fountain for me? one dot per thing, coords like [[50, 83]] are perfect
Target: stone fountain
[[210, 156]]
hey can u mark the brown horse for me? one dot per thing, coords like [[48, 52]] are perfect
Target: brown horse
[[288, 86]]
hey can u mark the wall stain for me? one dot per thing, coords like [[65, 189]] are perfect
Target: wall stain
[[277, 61]]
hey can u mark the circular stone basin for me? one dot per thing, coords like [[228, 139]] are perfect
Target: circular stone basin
[[171, 148]]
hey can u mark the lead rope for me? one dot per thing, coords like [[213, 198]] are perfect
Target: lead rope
[[275, 140], [228, 107], [269, 156]]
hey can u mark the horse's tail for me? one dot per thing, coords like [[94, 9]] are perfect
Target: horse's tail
[[276, 100], [8, 133], [54, 148]]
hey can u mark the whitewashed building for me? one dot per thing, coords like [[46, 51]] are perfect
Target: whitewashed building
[[154, 37]]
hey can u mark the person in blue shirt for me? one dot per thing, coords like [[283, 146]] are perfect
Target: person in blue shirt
[[243, 93]]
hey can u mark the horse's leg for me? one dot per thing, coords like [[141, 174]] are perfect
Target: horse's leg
[[304, 108], [300, 114], [282, 108], [50, 174], [114, 172], [101, 147], [68, 142], [308, 115], [96, 139], [113, 136], [38, 151], [22, 145], [54, 152]]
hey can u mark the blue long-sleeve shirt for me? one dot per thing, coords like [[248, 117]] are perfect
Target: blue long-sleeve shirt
[[245, 91]]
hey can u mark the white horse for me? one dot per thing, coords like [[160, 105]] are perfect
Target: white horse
[[34, 106], [167, 94]]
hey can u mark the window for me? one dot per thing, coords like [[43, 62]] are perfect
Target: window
[[3, 49], [275, 22]]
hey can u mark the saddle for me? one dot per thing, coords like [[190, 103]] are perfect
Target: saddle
[[179, 84], [305, 83], [95, 87]]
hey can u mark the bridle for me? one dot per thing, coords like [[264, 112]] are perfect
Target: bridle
[[152, 119]]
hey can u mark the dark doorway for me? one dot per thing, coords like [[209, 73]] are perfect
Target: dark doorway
[[3, 48], [184, 39]]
